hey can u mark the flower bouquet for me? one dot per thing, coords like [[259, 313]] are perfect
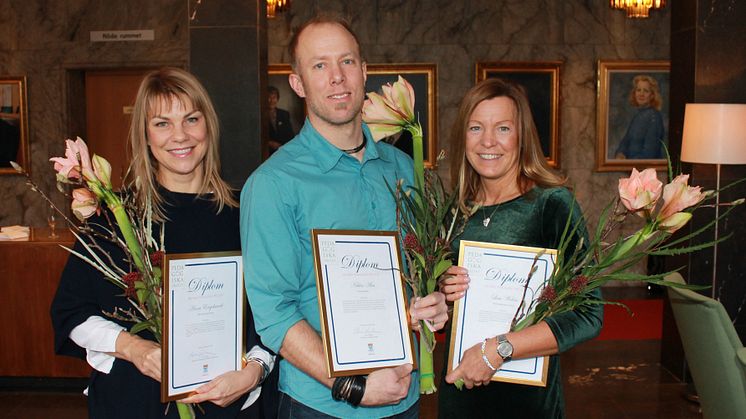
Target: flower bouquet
[[427, 216], [585, 267], [140, 277]]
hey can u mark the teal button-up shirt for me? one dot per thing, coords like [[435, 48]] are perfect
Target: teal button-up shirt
[[308, 183]]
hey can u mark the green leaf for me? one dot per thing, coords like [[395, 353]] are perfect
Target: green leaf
[[679, 285], [441, 268], [139, 327], [688, 249]]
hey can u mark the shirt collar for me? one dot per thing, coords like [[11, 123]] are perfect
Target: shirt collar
[[327, 155]]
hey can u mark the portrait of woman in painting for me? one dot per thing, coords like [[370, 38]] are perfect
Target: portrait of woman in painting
[[644, 138]]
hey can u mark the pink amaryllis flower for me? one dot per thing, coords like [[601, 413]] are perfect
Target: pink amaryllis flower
[[678, 196], [640, 191], [674, 222], [390, 112], [102, 170], [76, 161], [84, 203]]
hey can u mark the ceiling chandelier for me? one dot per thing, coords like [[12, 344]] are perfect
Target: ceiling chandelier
[[277, 6], [636, 8]]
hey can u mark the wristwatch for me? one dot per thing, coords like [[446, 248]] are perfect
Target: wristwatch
[[504, 348]]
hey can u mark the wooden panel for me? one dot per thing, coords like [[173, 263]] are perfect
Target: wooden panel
[[110, 95], [30, 272]]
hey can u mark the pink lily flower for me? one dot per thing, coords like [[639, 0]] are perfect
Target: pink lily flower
[[678, 195], [391, 112], [76, 161], [674, 222], [84, 203], [640, 191], [102, 170]]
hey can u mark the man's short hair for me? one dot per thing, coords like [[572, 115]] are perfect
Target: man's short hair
[[326, 17], [273, 89]]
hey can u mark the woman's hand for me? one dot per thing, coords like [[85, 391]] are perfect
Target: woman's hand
[[228, 387], [472, 369], [454, 283], [432, 309], [145, 354]]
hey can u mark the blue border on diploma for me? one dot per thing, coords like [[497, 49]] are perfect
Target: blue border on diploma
[[464, 301], [239, 285], [331, 311]]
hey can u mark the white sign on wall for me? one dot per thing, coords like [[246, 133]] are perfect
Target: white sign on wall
[[116, 36]]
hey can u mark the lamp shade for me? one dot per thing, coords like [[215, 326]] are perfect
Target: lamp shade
[[714, 133]]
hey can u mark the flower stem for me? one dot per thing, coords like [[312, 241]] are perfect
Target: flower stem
[[126, 228], [417, 151], [427, 377], [185, 411]]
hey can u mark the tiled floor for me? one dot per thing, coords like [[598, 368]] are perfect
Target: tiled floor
[[603, 380], [611, 379]]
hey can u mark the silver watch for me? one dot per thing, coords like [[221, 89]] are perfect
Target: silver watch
[[504, 348]]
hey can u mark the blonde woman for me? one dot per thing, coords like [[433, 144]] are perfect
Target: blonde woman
[[498, 165], [174, 144]]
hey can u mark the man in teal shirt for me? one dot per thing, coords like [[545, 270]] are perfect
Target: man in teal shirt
[[332, 176]]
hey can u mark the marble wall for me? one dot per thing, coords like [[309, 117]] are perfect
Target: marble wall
[[457, 34], [45, 41]]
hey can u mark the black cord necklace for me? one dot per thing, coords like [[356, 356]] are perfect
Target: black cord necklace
[[356, 149]]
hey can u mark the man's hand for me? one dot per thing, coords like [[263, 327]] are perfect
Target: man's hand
[[432, 309], [145, 354], [387, 385], [454, 283]]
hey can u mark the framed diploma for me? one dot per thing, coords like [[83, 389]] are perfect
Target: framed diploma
[[362, 303], [498, 285], [203, 320]]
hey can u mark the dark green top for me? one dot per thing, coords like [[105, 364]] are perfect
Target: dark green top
[[536, 219]]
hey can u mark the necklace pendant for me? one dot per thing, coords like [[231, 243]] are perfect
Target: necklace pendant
[[486, 222]]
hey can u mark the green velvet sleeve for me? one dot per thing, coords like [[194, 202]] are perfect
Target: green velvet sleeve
[[573, 327]]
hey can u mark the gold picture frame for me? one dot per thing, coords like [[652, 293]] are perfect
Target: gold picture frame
[[14, 137], [358, 285], [201, 296], [623, 125], [422, 76], [499, 273], [541, 80]]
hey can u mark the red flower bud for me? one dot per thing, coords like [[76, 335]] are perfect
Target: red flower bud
[[548, 294], [411, 243], [578, 284], [130, 280], [156, 258]]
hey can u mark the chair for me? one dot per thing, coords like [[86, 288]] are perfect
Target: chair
[[714, 352]]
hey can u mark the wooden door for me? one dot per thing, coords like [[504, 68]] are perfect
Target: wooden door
[[110, 95]]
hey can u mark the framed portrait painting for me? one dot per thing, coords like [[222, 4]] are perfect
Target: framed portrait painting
[[14, 140], [287, 110], [632, 114], [541, 82], [423, 78]]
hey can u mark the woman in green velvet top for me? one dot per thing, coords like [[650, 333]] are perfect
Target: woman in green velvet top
[[498, 164]]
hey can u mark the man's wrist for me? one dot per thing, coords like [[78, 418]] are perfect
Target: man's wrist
[[350, 389]]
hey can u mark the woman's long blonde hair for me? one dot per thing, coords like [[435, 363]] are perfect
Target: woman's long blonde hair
[[158, 86], [533, 167]]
